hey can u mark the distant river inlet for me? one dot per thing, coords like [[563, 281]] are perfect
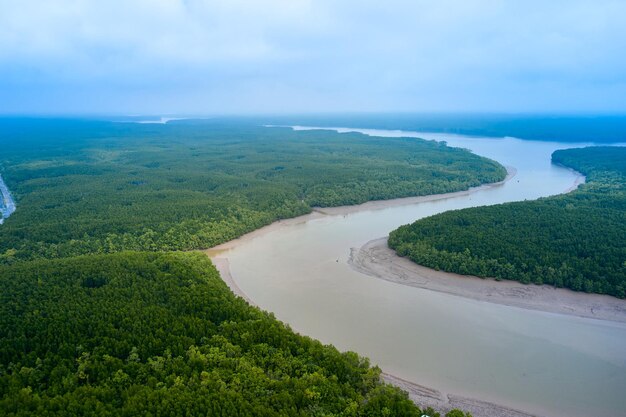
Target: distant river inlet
[[7, 205], [542, 363]]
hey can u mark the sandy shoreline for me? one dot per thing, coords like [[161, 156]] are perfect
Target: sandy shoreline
[[429, 397], [223, 267], [580, 178], [376, 259]]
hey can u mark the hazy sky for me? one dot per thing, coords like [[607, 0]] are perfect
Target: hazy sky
[[242, 56]]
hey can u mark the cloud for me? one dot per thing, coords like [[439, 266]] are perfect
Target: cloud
[[199, 56]]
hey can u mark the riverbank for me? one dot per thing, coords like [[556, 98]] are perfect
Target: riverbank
[[383, 204], [443, 403], [319, 212], [223, 267], [376, 259]]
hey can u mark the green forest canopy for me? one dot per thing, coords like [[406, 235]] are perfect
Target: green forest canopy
[[132, 334], [576, 240], [144, 333]]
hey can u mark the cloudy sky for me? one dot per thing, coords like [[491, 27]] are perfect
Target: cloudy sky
[[287, 56]]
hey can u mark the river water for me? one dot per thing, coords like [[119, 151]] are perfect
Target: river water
[[544, 363], [7, 205]]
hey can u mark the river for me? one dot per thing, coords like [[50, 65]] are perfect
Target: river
[[7, 205], [542, 363]]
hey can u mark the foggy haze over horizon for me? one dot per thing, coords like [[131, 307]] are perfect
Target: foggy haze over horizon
[[201, 57]]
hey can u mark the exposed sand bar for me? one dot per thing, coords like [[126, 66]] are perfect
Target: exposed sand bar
[[376, 259], [442, 402]]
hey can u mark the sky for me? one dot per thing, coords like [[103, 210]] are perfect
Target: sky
[[298, 56]]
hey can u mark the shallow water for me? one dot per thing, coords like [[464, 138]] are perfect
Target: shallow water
[[538, 362]]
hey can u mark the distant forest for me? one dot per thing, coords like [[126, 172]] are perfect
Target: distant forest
[[123, 333], [559, 128], [100, 187], [576, 241]]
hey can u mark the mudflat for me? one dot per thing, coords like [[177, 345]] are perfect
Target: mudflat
[[376, 259]]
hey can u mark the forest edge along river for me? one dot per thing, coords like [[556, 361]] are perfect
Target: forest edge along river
[[461, 348], [375, 258]]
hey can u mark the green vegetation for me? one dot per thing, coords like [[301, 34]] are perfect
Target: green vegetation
[[161, 334], [158, 333], [99, 187], [577, 240]]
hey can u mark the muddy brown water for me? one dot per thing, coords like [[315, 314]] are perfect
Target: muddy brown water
[[542, 363]]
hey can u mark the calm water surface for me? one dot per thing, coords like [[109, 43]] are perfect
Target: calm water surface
[[540, 362]]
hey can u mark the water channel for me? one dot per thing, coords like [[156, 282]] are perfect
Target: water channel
[[543, 363]]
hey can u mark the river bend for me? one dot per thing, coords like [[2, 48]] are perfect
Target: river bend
[[543, 363]]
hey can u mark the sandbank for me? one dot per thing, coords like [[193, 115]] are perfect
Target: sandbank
[[376, 259]]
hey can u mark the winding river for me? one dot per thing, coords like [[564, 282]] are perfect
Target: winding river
[[542, 363]]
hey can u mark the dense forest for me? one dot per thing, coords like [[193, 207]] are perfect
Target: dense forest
[[576, 240], [101, 187], [161, 334], [114, 332]]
